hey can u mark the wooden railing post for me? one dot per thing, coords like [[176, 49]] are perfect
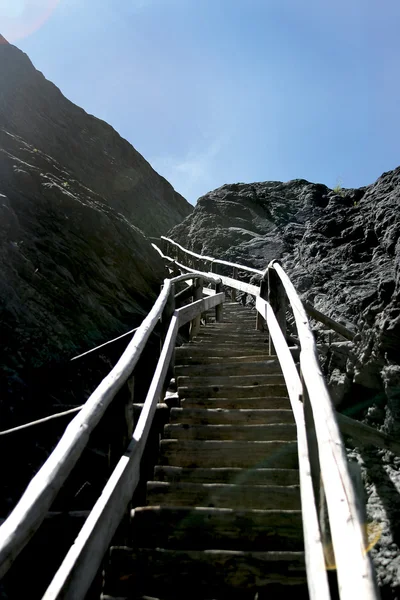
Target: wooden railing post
[[234, 276], [218, 289], [166, 316], [278, 301], [260, 321], [197, 295]]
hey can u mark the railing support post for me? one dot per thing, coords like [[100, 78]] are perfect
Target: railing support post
[[233, 291], [278, 301], [218, 289], [197, 295], [166, 316], [260, 321]]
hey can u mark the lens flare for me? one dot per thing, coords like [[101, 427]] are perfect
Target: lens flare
[[20, 18], [373, 532]]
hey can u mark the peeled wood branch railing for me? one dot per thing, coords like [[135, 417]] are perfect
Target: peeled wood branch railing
[[314, 552], [354, 568], [79, 567], [32, 508], [210, 258]]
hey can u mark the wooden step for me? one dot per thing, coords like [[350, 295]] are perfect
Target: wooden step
[[223, 495], [227, 342], [195, 351], [220, 416], [199, 358], [227, 475], [182, 431], [229, 368], [201, 574], [229, 380], [212, 334], [218, 528], [274, 402], [227, 453], [233, 391]]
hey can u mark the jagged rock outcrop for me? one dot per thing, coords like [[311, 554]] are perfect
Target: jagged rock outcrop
[[340, 248]]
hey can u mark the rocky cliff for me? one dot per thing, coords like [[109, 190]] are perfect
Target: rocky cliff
[[341, 249]]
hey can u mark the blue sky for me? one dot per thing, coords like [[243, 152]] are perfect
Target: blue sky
[[221, 91]]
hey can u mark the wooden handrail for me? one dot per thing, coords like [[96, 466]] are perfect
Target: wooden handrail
[[31, 509], [211, 259], [80, 565], [313, 544], [241, 286], [355, 573], [331, 323], [74, 577]]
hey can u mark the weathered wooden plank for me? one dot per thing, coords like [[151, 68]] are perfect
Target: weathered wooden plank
[[197, 295], [354, 566], [233, 391], [225, 368], [274, 431], [229, 380], [197, 350], [237, 403], [199, 416], [211, 259], [185, 358], [187, 313], [80, 565], [217, 573], [223, 495], [252, 476], [242, 286], [217, 528], [366, 435], [331, 323], [228, 454]]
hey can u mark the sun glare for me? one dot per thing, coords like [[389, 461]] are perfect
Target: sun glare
[[20, 18]]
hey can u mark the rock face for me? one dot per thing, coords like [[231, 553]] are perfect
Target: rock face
[[87, 148], [76, 201], [76, 268], [342, 251], [340, 248]]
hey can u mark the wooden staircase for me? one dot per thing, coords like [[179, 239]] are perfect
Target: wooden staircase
[[223, 516]]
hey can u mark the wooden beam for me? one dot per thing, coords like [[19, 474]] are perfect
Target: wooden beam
[[278, 301], [187, 313], [263, 293], [210, 258], [366, 435], [73, 578], [233, 290], [197, 295], [331, 323]]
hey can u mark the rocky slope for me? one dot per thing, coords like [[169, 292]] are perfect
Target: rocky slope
[[342, 250], [76, 268]]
